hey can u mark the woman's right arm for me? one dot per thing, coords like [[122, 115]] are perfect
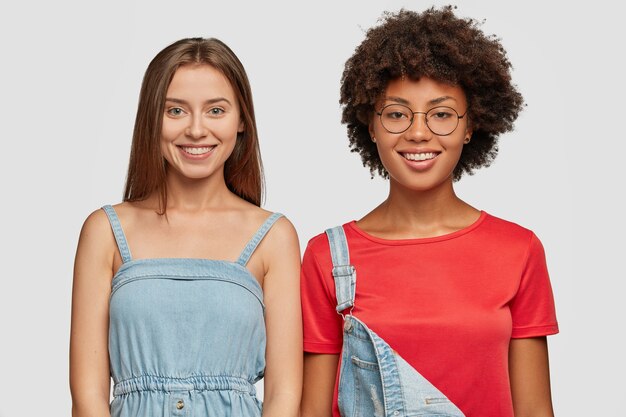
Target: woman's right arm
[[320, 371], [322, 329], [90, 379]]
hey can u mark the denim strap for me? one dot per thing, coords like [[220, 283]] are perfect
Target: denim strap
[[247, 252], [343, 273], [118, 233]]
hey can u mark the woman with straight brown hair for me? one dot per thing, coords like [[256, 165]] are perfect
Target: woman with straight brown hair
[[187, 324]]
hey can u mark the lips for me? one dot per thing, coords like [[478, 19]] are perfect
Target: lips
[[196, 150], [420, 156]]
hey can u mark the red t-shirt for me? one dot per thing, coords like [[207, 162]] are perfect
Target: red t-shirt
[[449, 305]]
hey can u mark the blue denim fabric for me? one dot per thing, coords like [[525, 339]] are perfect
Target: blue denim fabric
[[186, 336], [374, 381]]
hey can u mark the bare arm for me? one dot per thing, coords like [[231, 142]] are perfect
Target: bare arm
[[320, 371], [530, 377], [283, 318], [89, 357]]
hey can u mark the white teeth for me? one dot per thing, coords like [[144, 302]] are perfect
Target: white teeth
[[197, 151], [419, 156]]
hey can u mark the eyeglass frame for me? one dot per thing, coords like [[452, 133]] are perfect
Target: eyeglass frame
[[413, 113]]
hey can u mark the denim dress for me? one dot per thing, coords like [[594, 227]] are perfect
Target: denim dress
[[186, 336], [374, 381]]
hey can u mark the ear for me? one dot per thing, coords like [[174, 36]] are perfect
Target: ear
[[370, 129], [241, 127], [469, 131]]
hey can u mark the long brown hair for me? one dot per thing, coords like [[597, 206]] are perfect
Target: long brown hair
[[243, 171]]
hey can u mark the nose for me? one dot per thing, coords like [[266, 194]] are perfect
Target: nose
[[196, 128], [418, 131]]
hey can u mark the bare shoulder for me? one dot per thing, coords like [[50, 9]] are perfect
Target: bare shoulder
[[281, 253], [128, 212], [281, 239], [96, 227], [283, 231], [282, 243], [96, 243]]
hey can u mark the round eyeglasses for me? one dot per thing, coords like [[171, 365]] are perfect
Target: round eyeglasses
[[398, 118]]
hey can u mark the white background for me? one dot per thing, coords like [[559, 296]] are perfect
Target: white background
[[69, 80]]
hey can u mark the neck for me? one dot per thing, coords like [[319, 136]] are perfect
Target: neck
[[411, 206], [187, 194], [409, 213]]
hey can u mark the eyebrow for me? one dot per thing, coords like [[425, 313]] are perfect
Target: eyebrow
[[441, 99], [397, 100], [210, 101], [434, 101]]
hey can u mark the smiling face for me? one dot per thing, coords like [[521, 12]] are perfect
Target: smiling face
[[200, 122], [417, 158]]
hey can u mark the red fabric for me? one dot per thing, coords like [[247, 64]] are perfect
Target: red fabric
[[449, 305]]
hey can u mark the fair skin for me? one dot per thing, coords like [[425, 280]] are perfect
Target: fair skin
[[422, 203], [204, 220]]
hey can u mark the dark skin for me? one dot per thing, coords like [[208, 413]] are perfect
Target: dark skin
[[422, 203], [439, 45], [528, 368]]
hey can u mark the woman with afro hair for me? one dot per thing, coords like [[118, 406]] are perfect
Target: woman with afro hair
[[452, 306]]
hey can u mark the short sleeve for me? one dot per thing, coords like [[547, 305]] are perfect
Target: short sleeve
[[321, 323], [532, 309]]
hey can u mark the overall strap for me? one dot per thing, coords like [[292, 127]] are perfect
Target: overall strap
[[247, 252], [118, 233], [343, 272]]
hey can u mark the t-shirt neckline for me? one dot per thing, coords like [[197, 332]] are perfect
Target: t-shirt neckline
[[447, 236]]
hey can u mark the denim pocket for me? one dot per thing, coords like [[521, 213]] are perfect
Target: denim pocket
[[369, 399], [371, 366]]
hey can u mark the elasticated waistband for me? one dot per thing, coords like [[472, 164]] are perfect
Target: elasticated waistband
[[194, 383]]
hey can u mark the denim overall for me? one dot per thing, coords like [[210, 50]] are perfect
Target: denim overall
[[374, 380], [186, 336]]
